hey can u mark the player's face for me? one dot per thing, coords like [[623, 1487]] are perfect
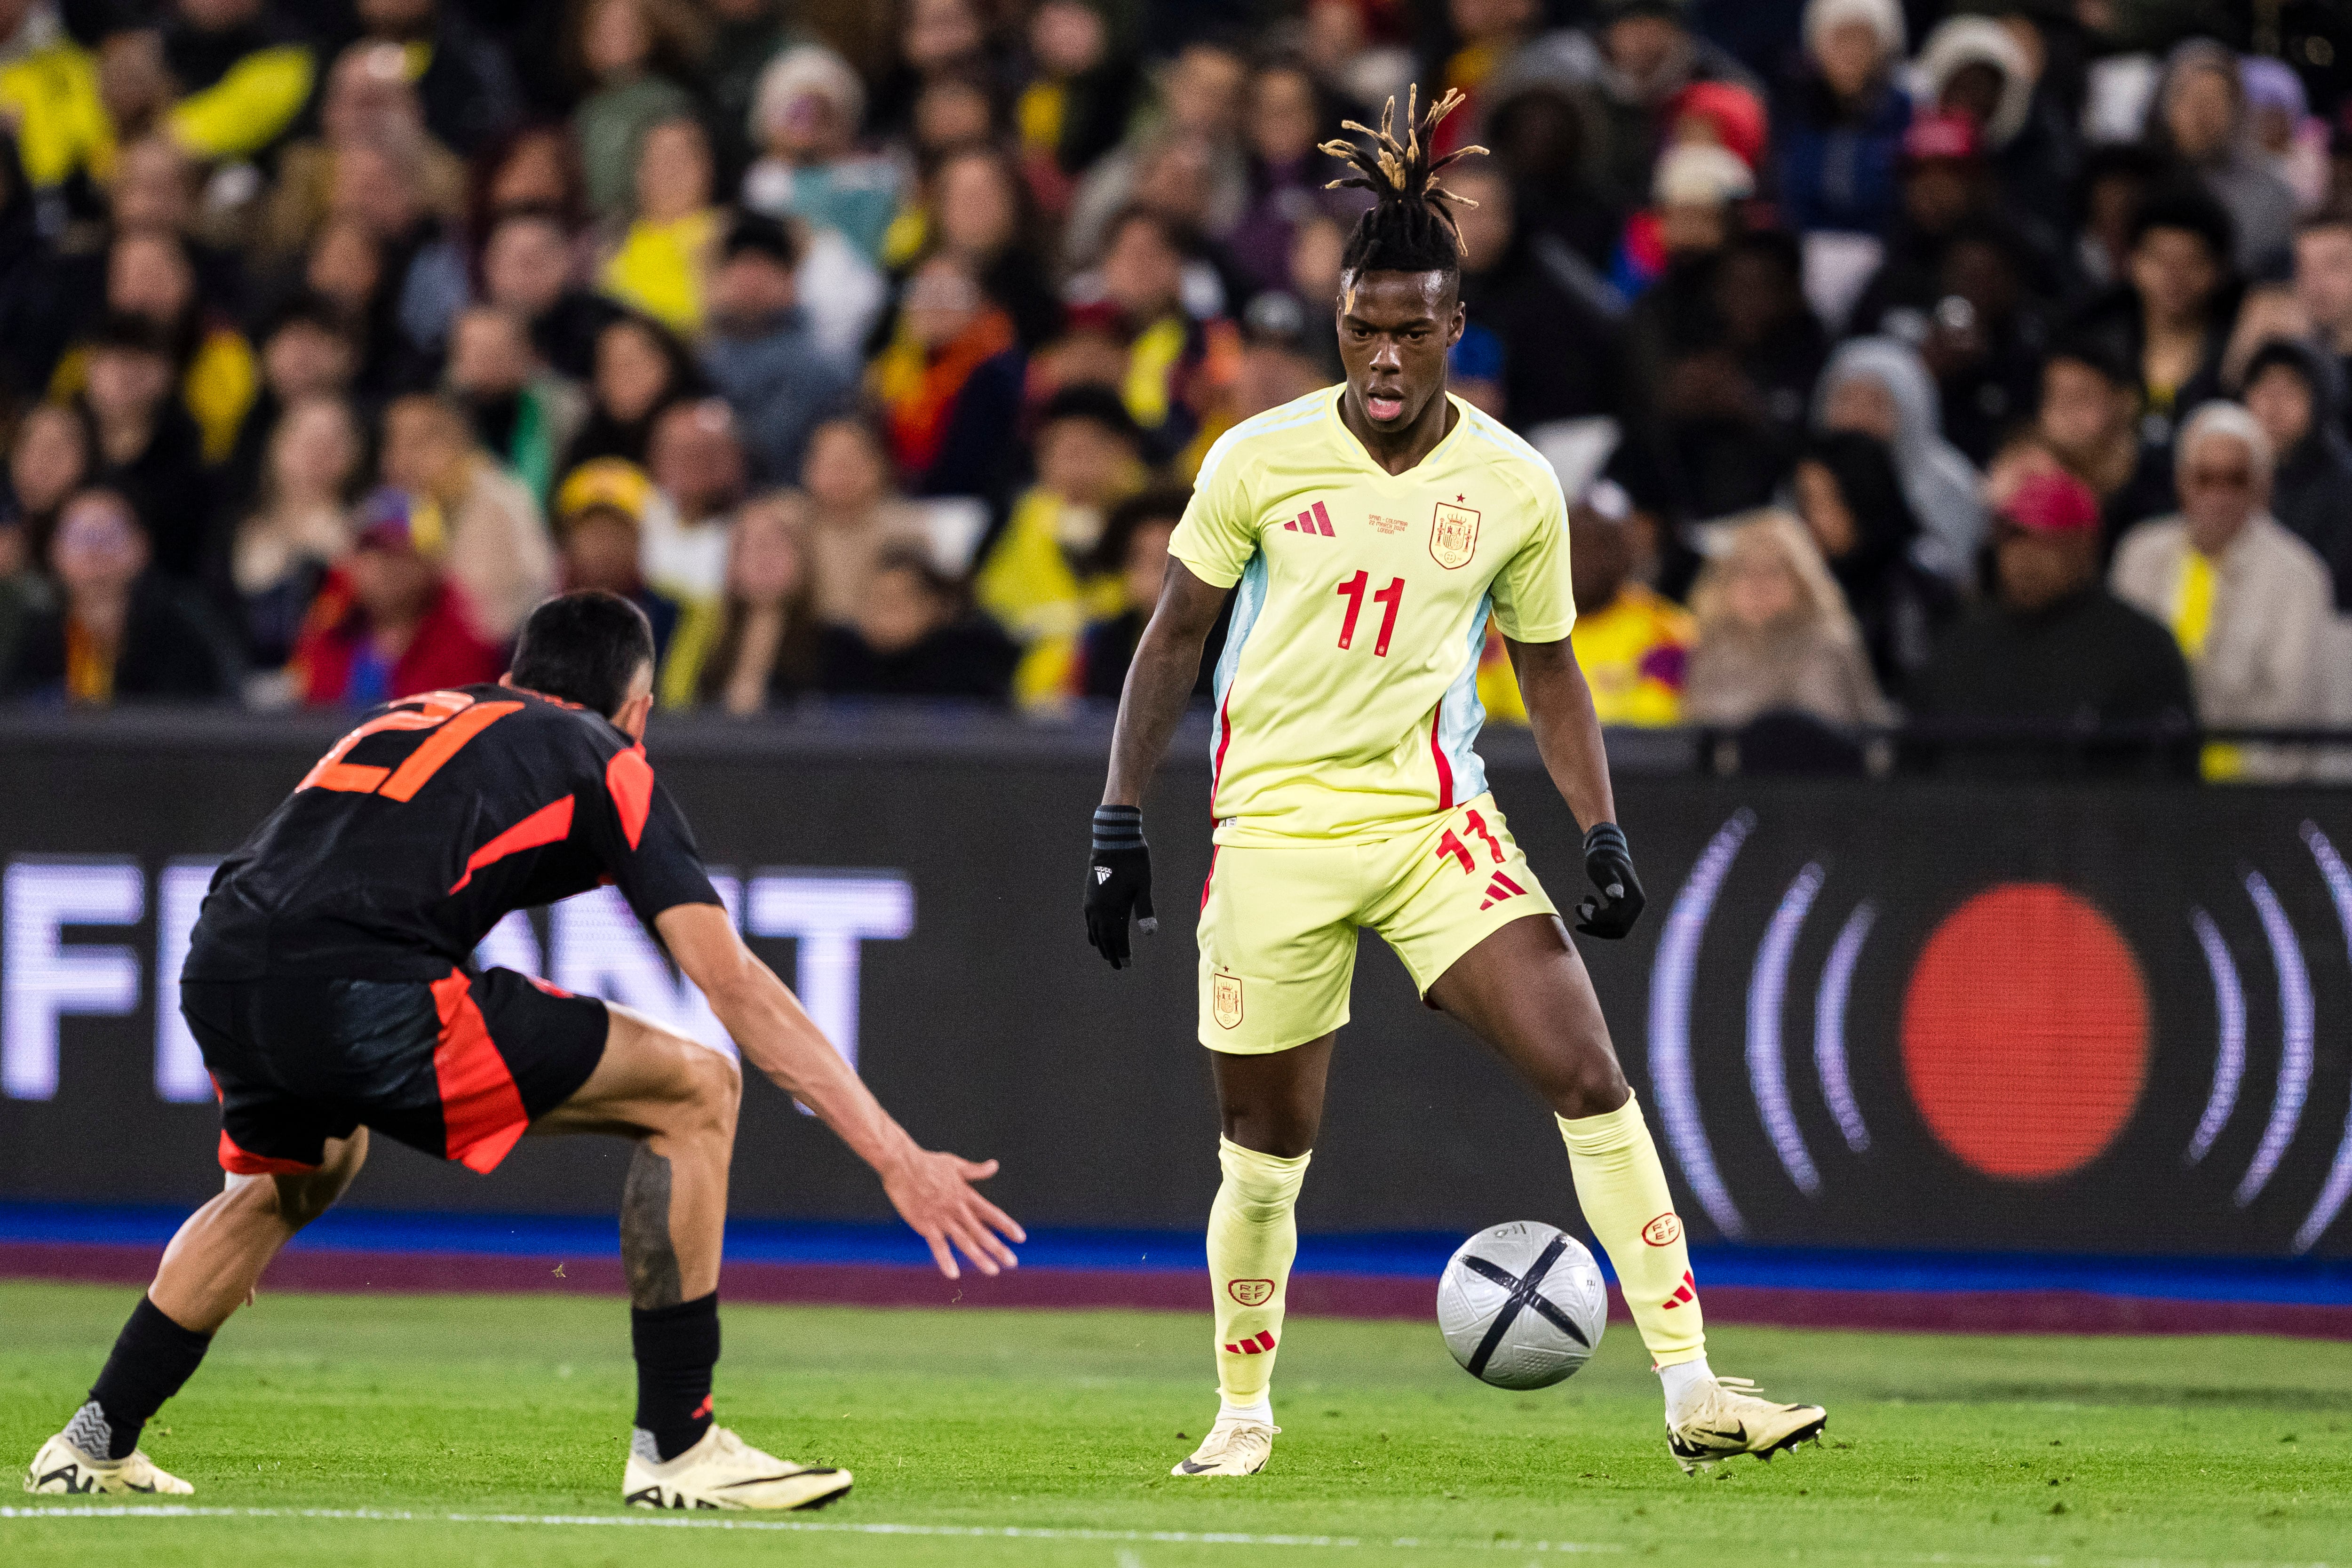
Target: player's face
[[1394, 330]]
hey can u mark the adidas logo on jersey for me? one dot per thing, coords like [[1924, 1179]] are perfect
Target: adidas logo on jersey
[[1314, 520], [1498, 888]]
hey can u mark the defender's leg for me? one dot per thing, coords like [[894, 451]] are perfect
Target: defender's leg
[[209, 1271]]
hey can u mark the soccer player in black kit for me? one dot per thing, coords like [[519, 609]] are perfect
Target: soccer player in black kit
[[330, 982]]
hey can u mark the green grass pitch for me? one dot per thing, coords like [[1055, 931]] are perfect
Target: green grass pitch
[[1986, 1451]]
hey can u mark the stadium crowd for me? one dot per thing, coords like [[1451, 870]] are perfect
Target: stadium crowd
[[1969, 362]]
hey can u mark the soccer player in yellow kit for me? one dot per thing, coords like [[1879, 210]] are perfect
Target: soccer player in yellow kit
[[1368, 532]]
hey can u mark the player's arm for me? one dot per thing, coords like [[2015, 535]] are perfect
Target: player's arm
[[931, 1190], [1567, 737], [1158, 687]]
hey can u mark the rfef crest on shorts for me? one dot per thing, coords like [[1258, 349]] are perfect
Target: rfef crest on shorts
[[1225, 999], [1454, 536], [1250, 1292]]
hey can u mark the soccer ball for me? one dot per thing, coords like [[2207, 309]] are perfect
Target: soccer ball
[[1522, 1305]]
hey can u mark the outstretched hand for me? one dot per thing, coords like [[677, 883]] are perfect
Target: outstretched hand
[[932, 1192]]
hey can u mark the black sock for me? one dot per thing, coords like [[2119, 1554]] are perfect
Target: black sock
[[676, 1348], [152, 1357]]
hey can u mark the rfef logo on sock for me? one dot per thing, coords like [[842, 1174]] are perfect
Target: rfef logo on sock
[[1250, 1292], [1663, 1231]]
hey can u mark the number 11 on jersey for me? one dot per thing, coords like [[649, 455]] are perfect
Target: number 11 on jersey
[[1392, 596]]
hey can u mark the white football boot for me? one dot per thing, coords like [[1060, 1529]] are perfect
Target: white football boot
[[724, 1471], [1730, 1420], [1234, 1447], [64, 1468]]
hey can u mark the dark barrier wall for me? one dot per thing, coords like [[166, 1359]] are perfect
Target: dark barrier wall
[[2079, 1018]]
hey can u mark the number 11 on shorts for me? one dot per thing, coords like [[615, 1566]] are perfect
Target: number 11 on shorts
[[1392, 596]]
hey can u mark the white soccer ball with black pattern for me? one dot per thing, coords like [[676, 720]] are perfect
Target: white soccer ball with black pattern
[[1522, 1305]]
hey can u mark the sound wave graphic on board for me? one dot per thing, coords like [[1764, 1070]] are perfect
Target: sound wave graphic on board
[[1673, 1079]]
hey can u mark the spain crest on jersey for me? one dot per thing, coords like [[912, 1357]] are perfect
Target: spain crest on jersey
[[1225, 999], [1454, 536]]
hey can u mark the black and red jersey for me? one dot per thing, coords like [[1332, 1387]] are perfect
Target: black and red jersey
[[428, 823]]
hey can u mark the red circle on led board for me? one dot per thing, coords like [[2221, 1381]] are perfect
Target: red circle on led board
[[2025, 1032]]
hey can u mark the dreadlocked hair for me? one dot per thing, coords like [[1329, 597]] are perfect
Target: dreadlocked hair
[[1408, 229]]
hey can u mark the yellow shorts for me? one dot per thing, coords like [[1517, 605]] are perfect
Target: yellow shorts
[[1278, 926]]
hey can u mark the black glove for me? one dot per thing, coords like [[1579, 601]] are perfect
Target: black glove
[[1609, 863], [1118, 882]]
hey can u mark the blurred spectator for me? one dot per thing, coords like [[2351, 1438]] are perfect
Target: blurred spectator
[[280, 553], [982, 213], [1879, 387], [745, 34], [149, 452], [2247, 601], [640, 370], [1647, 56], [117, 631], [421, 285], [851, 515], [2089, 418], [1287, 119], [1036, 577], [912, 638], [49, 89], [1748, 351], [1774, 633], [237, 75], [369, 99], [1838, 123], [936, 38], [1694, 212], [1486, 35], [1983, 69], [804, 120], [2268, 310], [2322, 282], [634, 53], [490, 539], [2171, 317], [2116, 179], [527, 268], [389, 623], [1847, 494], [659, 265], [35, 282], [1081, 92], [761, 354], [696, 461], [1632, 643], [524, 413], [1549, 309], [2199, 117], [1134, 550], [763, 651], [466, 85], [600, 518], [1550, 140], [950, 383], [306, 351], [2053, 652], [1172, 354], [50, 457], [2296, 393], [1200, 94], [2280, 128], [149, 275], [534, 169]]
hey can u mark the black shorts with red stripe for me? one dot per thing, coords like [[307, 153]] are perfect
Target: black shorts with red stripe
[[457, 1068]]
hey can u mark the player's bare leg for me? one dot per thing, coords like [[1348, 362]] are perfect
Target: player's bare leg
[[208, 1271], [1271, 1107], [677, 1099], [1524, 991]]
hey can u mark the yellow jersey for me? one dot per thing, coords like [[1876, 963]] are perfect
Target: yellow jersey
[[1347, 698]]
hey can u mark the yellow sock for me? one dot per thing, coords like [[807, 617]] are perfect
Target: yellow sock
[[1252, 1237], [1622, 1188]]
